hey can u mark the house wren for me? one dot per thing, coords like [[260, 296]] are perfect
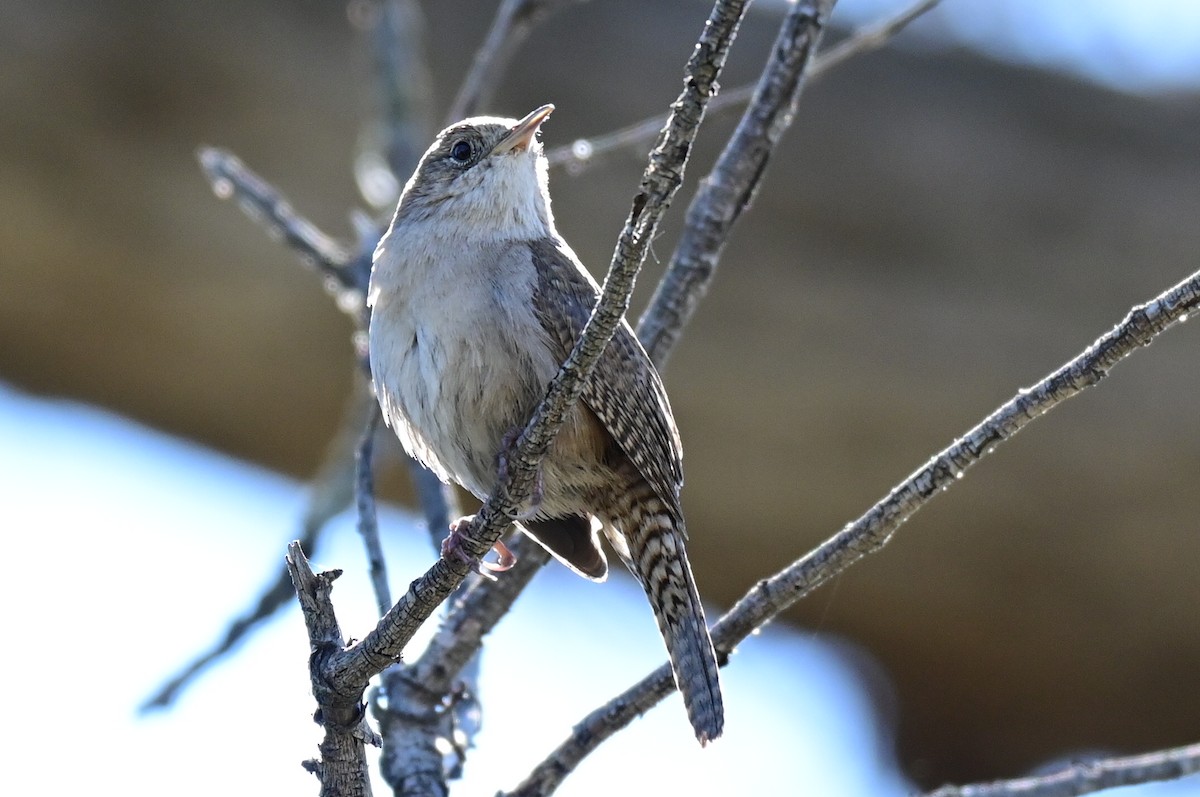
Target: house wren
[[476, 302]]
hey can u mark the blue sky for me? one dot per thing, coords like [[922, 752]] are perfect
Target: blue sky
[[1145, 46]]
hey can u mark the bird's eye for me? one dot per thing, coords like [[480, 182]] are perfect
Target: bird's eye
[[460, 152]]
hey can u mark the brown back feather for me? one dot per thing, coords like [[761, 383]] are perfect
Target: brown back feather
[[624, 391]]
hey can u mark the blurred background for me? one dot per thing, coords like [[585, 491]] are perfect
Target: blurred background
[[948, 220]]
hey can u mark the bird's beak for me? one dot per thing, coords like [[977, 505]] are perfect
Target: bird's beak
[[521, 136]]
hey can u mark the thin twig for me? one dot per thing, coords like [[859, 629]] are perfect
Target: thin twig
[[729, 188], [368, 521], [511, 26], [870, 37], [871, 531], [351, 668], [1085, 777], [438, 501], [262, 202], [586, 152], [395, 30]]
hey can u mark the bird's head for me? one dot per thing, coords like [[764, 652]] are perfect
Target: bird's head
[[485, 175]]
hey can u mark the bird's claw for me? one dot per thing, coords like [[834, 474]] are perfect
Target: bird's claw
[[505, 559], [452, 547]]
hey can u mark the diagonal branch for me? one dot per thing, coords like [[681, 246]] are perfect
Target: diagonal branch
[[368, 520], [872, 531], [344, 273], [1086, 777], [352, 667], [870, 37]]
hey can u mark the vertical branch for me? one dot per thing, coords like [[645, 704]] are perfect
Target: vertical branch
[[438, 501], [368, 523], [342, 768], [412, 725]]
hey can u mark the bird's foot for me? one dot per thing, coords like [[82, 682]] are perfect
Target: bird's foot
[[507, 443], [452, 547]]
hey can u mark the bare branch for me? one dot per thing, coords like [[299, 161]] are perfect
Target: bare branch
[[871, 531], [586, 152], [730, 186], [1085, 777], [513, 22]]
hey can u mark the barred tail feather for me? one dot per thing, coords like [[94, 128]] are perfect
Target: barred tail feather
[[654, 537]]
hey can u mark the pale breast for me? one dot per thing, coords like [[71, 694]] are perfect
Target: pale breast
[[458, 358]]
